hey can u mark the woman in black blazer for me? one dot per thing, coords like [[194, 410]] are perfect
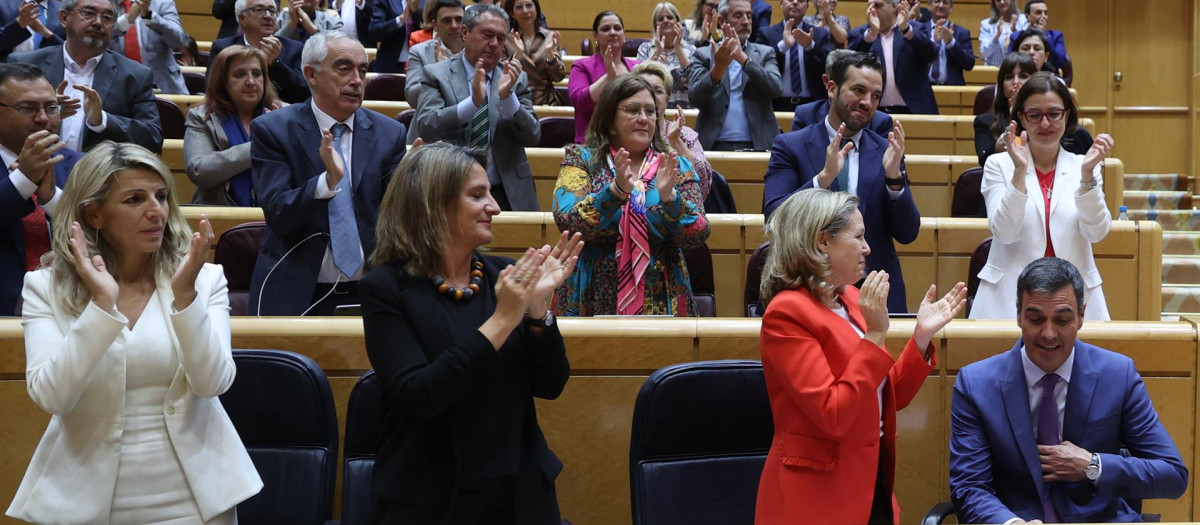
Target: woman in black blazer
[[463, 343]]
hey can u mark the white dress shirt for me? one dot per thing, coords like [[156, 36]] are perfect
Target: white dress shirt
[[329, 271], [75, 74]]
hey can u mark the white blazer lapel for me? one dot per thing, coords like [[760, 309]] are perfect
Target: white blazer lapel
[[1066, 179]]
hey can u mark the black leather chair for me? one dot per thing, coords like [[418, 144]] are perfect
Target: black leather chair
[[195, 82], [406, 117], [720, 197], [170, 117], [237, 253], [283, 409], [628, 49], [385, 86], [557, 132], [362, 441], [984, 99], [968, 195], [701, 433], [979, 259], [700, 270], [754, 270]]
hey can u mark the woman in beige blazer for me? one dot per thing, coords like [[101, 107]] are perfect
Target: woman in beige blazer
[[216, 143], [127, 346]]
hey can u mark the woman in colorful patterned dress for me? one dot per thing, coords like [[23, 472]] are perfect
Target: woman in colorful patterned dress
[[637, 204]]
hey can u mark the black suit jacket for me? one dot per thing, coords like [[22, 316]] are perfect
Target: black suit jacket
[[814, 59], [285, 162], [125, 86], [12, 233], [285, 71], [433, 374], [390, 34]]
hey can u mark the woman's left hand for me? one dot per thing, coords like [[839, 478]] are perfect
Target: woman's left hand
[[675, 128], [1096, 154], [933, 316], [556, 268], [667, 177], [183, 284]]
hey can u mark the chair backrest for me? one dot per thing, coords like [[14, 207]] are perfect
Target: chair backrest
[[204, 59], [557, 132], [720, 197], [701, 432], [700, 270], [984, 99], [406, 117], [363, 414], [170, 117], [585, 47], [1068, 71], [754, 270], [237, 253], [968, 195], [979, 258], [282, 407], [385, 86], [631, 45], [564, 95], [195, 82]]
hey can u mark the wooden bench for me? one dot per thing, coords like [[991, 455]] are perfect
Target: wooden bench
[[589, 425], [1130, 258]]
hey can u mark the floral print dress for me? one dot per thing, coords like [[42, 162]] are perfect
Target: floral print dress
[[583, 203]]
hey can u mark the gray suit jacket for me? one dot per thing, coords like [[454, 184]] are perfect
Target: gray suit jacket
[[158, 38], [125, 86], [210, 160], [445, 84], [763, 84], [419, 56]]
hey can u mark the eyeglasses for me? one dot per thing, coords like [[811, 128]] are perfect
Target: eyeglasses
[[1053, 115], [30, 111], [649, 112], [261, 10], [108, 18]]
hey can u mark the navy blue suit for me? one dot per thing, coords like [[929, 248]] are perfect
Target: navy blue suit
[[995, 473], [912, 59], [814, 59], [12, 241], [285, 72], [12, 34], [959, 57], [817, 110], [390, 34], [285, 161], [762, 18], [796, 159]]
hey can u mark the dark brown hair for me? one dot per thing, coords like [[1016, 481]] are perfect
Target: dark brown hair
[[216, 99], [1045, 82]]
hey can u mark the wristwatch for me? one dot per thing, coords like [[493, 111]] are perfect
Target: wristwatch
[[545, 322], [1092, 472], [897, 184]]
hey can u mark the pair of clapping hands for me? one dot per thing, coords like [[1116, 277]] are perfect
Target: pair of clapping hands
[[1018, 150], [932, 315], [666, 178]]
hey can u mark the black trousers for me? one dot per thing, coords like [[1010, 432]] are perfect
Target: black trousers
[[482, 502], [881, 504]]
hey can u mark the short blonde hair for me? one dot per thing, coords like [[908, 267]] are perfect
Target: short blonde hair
[[88, 185], [413, 224], [654, 19], [657, 69], [794, 260]]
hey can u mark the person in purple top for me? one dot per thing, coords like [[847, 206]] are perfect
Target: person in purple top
[[590, 75]]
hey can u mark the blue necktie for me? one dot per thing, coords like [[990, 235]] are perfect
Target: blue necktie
[[937, 72], [797, 71], [1048, 435], [843, 176], [37, 37], [343, 228]]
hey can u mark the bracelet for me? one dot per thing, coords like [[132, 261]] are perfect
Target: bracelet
[[1087, 185], [619, 190]]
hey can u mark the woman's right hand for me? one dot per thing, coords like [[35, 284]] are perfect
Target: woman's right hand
[[872, 301], [626, 176], [516, 283], [92, 271]]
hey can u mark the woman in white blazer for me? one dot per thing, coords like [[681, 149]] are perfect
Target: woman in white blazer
[[127, 346], [1017, 187]]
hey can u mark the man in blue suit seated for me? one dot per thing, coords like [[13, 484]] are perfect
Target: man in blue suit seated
[[320, 169], [840, 154], [1036, 432], [816, 111], [36, 163]]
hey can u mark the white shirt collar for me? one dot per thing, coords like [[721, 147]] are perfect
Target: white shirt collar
[[75, 68], [1033, 373], [8, 157], [324, 121]]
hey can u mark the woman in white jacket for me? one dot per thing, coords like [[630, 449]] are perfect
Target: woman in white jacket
[[1035, 175], [127, 346]]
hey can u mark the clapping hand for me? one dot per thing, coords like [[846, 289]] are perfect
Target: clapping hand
[[913, 12], [873, 19], [1096, 154], [183, 284], [517, 282], [1018, 151], [667, 177], [335, 169], [517, 43], [675, 129], [872, 301], [27, 14], [793, 35], [895, 152], [93, 107], [558, 265], [726, 51], [627, 176], [479, 85], [271, 46], [69, 106], [933, 316], [508, 79], [835, 158], [38, 156], [942, 31], [92, 271]]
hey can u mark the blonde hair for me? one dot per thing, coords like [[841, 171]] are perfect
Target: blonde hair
[[654, 20], [413, 224], [794, 260], [88, 185], [657, 69]]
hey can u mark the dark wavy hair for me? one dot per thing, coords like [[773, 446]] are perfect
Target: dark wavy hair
[[1008, 67]]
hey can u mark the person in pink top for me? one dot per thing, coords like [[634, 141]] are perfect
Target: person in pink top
[[590, 75]]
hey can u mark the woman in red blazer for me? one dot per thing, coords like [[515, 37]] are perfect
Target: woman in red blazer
[[834, 389]]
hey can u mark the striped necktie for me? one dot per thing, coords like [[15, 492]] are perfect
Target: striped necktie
[[479, 126]]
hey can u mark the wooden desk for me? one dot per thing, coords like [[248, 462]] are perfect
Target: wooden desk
[[589, 425]]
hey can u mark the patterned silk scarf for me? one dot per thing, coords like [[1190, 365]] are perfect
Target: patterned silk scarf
[[633, 248]]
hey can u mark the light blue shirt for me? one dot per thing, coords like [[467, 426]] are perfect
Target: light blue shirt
[[736, 127]]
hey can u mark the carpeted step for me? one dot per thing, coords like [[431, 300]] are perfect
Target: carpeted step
[[1156, 182], [1158, 200], [1181, 243], [1180, 299], [1181, 269], [1171, 220]]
